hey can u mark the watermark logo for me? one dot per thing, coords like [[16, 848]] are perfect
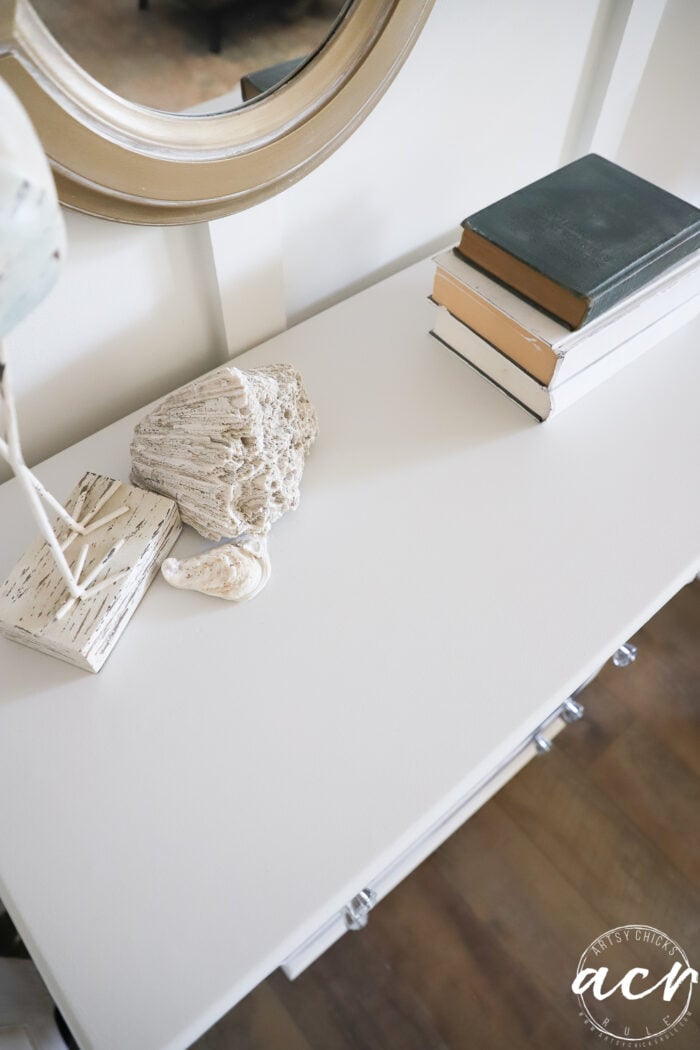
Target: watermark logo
[[634, 986]]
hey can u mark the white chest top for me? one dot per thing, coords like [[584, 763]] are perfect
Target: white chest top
[[173, 828]]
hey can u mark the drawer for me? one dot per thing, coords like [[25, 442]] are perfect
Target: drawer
[[354, 915]]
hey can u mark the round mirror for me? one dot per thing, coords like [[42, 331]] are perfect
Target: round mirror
[[172, 111]]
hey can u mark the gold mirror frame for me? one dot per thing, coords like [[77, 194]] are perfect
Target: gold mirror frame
[[118, 160]]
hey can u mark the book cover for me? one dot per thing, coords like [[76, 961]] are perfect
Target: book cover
[[546, 349], [581, 239]]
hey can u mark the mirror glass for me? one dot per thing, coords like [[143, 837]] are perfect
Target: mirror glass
[[195, 56]]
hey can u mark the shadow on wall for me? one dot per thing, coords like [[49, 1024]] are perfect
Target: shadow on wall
[[432, 247], [348, 238]]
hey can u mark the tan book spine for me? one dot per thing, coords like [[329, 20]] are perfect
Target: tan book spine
[[537, 287], [531, 353]]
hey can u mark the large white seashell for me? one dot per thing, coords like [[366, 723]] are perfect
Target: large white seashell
[[229, 448], [235, 571]]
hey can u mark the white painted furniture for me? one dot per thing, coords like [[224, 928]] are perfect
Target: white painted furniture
[[201, 812]]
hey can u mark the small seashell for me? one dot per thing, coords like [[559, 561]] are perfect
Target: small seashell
[[234, 571]]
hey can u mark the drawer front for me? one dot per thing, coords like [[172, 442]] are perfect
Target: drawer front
[[354, 916]]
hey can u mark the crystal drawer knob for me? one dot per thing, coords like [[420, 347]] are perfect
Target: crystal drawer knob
[[625, 655], [543, 745], [357, 911], [572, 711]]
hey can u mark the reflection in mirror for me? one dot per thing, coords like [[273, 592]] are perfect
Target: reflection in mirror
[[202, 56]]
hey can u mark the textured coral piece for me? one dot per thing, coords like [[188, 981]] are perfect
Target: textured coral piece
[[230, 449]]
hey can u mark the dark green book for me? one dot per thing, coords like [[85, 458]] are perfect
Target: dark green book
[[578, 241]]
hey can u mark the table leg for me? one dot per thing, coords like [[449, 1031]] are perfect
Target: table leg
[[64, 1030]]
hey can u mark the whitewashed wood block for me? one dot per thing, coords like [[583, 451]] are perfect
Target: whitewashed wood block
[[35, 592]]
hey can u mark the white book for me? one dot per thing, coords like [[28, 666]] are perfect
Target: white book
[[546, 349], [542, 401]]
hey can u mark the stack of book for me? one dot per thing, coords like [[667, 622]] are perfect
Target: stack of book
[[564, 282]]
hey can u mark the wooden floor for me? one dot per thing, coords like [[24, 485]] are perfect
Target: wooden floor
[[477, 949]]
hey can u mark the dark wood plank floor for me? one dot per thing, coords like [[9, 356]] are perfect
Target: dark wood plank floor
[[477, 949]]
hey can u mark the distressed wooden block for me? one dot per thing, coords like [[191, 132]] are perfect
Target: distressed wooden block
[[35, 591]]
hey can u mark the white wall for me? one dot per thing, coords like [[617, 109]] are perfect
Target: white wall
[[493, 95], [661, 139], [481, 106]]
